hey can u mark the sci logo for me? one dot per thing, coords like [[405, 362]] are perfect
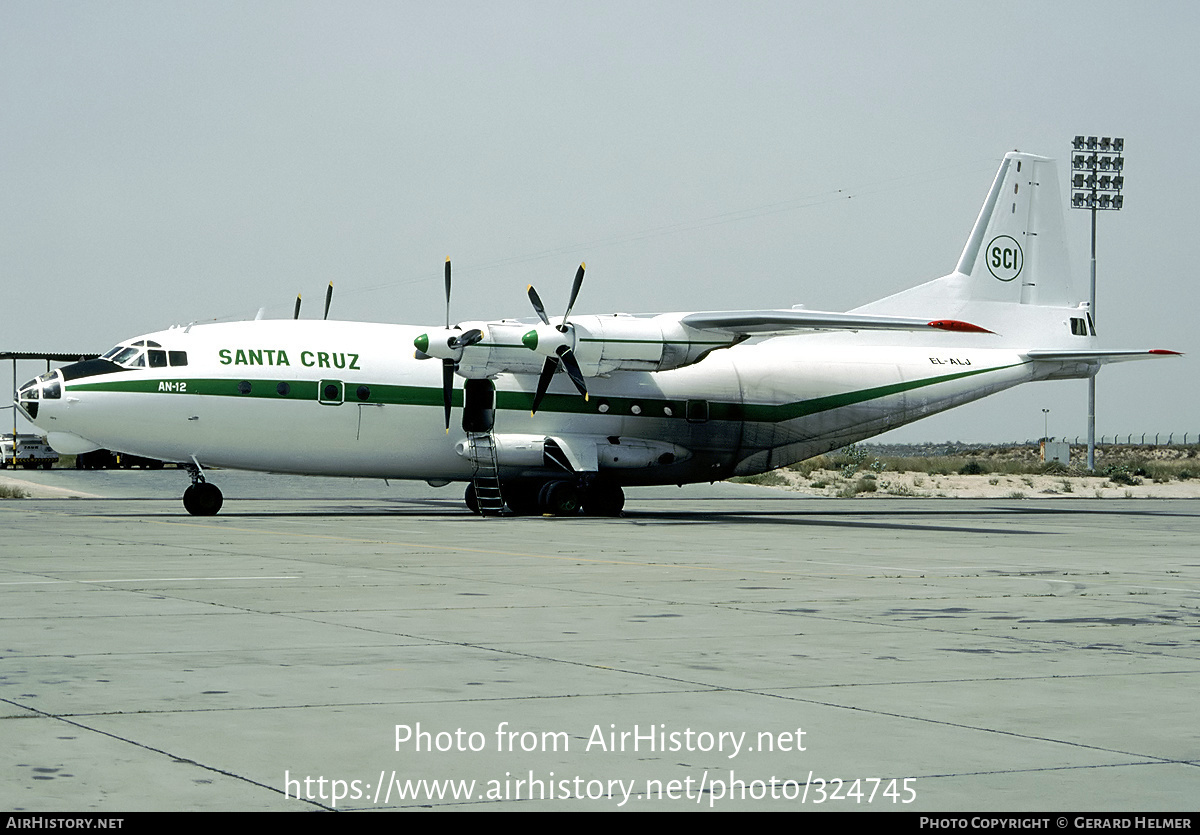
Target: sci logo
[[1005, 258]]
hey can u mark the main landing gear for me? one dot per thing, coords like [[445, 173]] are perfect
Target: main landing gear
[[202, 498], [557, 498]]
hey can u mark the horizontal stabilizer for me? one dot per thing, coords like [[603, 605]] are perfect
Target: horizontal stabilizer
[[757, 322], [1084, 355]]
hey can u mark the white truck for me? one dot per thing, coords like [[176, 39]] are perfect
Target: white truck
[[29, 451]]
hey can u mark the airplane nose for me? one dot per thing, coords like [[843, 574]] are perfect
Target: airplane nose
[[30, 396]]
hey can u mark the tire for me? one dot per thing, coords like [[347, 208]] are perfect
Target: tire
[[560, 498], [604, 500], [471, 499], [521, 498], [203, 499]]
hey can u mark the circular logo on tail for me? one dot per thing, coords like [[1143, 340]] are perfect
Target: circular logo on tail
[[1005, 258]]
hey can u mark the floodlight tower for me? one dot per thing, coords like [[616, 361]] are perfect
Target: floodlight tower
[[1098, 166]]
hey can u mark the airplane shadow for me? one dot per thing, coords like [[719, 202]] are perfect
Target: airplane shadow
[[948, 516]]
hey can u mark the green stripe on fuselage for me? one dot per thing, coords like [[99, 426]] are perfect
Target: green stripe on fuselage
[[307, 390]]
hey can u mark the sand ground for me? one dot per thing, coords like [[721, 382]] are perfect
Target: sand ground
[[991, 486]]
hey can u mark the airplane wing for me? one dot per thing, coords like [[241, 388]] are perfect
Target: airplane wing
[[1085, 355], [758, 322]]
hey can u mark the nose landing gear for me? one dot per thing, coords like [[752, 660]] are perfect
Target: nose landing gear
[[201, 498]]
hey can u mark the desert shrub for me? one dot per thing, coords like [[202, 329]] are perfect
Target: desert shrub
[[1120, 474]]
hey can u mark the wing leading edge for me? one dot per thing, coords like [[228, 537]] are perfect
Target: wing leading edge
[[759, 322]]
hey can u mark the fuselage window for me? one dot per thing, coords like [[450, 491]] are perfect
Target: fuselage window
[[1078, 326], [158, 358], [178, 358]]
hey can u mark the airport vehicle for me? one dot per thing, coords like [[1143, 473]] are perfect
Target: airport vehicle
[[652, 399], [29, 451]]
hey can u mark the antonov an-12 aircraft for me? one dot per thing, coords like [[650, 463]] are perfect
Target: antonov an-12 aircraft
[[641, 399]]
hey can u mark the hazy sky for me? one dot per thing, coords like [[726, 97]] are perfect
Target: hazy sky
[[164, 163]]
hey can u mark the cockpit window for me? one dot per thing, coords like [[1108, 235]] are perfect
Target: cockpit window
[[145, 353]]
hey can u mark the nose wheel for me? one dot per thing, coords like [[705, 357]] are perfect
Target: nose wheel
[[201, 498]]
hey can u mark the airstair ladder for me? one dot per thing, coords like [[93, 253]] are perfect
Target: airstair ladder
[[486, 477]]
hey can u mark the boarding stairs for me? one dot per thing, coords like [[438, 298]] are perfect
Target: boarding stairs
[[486, 476]]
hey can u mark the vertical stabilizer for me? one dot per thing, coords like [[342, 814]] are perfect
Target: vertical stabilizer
[[1013, 276], [1017, 250]]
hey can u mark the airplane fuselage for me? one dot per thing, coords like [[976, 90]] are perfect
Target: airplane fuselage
[[349, 399]]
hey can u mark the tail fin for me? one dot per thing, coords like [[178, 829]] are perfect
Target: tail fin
[[1014, 265], [1017, 251]]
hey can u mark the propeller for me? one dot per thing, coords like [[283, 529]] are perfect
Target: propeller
[[561, 342], [328, 300], [454, 342]]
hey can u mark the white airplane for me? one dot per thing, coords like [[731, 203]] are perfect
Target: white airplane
[[666, 399]]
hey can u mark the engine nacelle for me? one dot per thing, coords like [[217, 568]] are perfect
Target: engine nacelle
[[601, 344], [580, 453]]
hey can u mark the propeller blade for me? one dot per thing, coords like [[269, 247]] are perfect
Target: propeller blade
[[296, 315], [447, 388], [468, 339], [328, 299], [548, 369], [537, 305], [421, 355], [447, 292], [574, 291], [572, 365]]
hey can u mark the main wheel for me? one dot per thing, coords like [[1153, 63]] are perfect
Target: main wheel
[[604, 500], [203, 499], [560, 498], [471, 499], [521, 497]]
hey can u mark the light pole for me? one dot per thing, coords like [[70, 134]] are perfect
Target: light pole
[[1045, 424], [1097, 178]]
